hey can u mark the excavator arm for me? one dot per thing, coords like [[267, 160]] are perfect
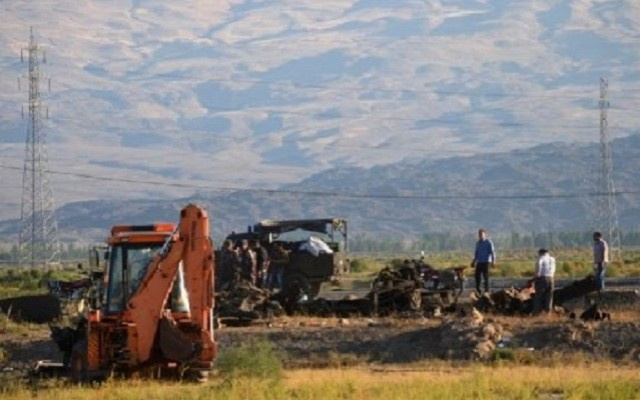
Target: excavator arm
[[191, 246]]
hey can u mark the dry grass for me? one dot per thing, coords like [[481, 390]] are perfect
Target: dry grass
[[16, 330], [440, 381], [603, 381], [326, 322]]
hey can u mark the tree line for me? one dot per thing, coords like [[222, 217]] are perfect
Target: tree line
[[434, 242]]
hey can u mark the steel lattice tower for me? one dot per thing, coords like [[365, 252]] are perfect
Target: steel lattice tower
[[39, 243], [607, 209]]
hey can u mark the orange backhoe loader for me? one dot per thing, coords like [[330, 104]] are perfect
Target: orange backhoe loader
[[156, 313]]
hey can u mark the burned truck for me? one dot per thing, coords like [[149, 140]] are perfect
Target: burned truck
[[317, 249]]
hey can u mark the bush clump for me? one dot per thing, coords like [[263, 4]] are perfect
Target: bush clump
[[251, 360], [358, 265]]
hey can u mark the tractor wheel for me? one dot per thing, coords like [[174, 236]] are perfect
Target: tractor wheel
[[199, 372]]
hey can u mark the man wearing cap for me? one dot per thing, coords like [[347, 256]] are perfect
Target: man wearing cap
[[544, 285]]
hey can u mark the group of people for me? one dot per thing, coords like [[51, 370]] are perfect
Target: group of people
[[250, 261], [545, 268]]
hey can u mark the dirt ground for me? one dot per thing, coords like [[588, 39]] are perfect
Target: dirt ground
[[313, 343], [318, 342]]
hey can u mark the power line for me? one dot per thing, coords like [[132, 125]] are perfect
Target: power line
[[447, 121], [349, 195]]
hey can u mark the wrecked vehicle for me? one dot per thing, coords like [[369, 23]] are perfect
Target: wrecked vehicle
[[400, 292], [311, 261], [520, 300]]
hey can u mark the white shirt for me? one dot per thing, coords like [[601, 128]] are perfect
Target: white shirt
[[600, 251], [545, 266]]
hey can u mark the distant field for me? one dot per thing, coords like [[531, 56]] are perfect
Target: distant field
[[598, 381], [26, 281], [510, 264]]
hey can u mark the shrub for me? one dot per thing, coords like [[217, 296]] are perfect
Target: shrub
[[250, 360], [507, 270], [566, 269], [358, 265], [517, 356]]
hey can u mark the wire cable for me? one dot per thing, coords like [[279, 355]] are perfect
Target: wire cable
[[348, 195]]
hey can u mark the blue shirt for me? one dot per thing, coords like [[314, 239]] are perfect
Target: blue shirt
[[484, 252]]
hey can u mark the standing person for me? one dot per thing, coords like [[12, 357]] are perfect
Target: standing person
[[262, 260], [248, 262], [544, 284], [483, 259], [279, 261], [600, 258], [227, 265]]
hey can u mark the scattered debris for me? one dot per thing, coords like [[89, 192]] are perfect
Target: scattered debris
[[593, 313], [577, 289], [243, 303], [394, 292], [69, 290], [520, 300]]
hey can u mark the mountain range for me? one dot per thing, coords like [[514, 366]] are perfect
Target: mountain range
[[256, 94], [551, 187]]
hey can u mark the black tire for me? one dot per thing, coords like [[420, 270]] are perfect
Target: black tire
[[314, 289], [196, 375], [298, 281], [199, 372]]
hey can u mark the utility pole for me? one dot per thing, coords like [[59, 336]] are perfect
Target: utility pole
[[39, 243], [607, 209]]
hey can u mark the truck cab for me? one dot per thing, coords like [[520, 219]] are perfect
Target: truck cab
[[306, 268]]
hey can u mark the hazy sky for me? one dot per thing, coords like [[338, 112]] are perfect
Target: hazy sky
[[261, 93]]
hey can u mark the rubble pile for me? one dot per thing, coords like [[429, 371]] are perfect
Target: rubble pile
[[470, 337], [514, 301], [246, 302]]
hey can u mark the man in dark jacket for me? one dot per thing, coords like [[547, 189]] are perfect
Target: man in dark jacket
[[248, 263], [483, 259], [262, 261], [227, 270]]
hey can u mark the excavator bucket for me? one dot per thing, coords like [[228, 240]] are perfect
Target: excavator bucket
[[174, 344]]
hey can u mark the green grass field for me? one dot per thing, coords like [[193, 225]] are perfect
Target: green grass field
[[520, 263], [22, 282]]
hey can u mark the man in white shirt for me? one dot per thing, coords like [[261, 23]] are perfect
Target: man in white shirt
[[600, 258], [544, 285]]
